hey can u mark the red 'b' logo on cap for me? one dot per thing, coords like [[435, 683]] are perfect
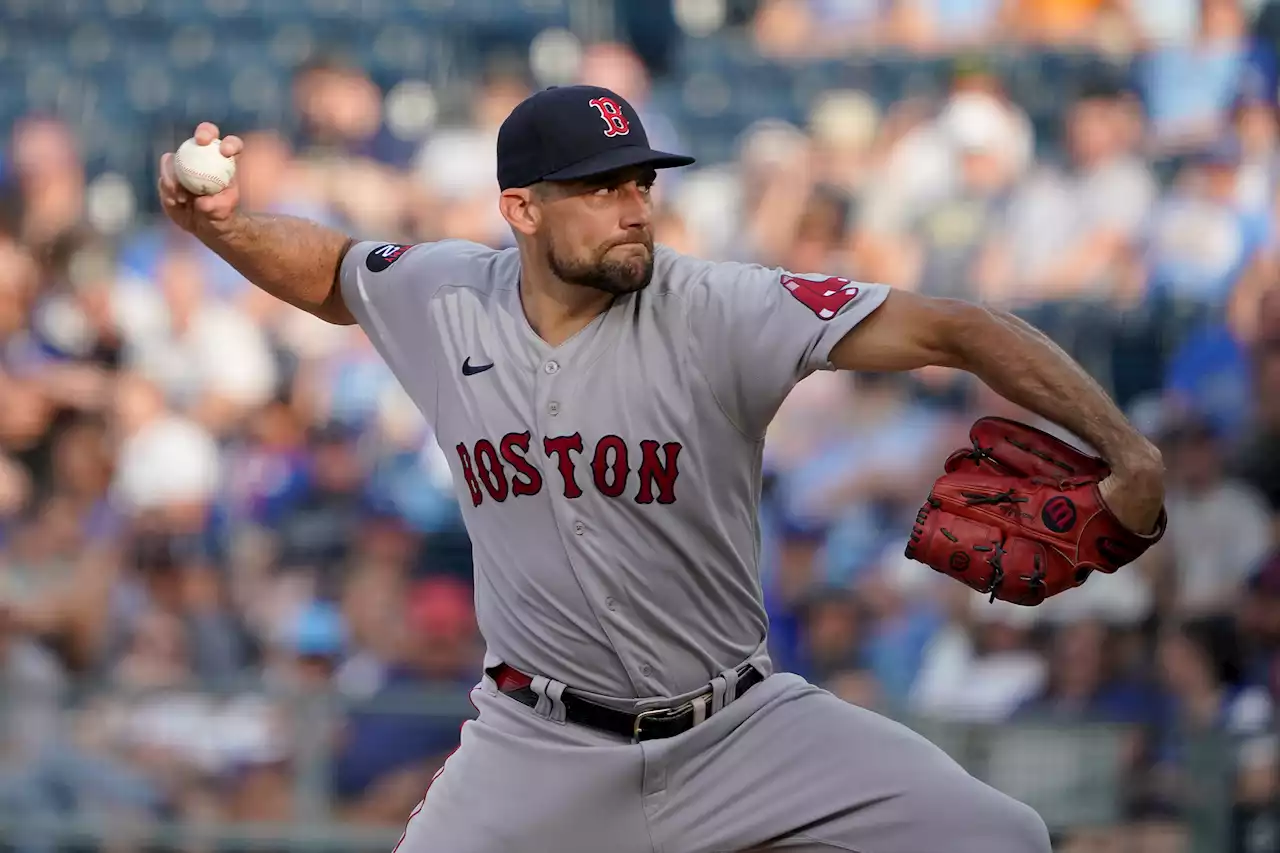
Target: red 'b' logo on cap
[[615, 122]]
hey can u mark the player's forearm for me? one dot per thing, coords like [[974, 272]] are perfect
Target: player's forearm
[[1022, 365], [294, 260]]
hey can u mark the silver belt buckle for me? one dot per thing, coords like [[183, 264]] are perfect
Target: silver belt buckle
[[658, 712], [652, 712]]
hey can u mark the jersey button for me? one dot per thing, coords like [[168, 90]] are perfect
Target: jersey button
[[611, 604], [646, 670], [551, 367], [553, 408], [579, 528]]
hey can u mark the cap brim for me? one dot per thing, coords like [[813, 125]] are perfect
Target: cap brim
[[619, 158]]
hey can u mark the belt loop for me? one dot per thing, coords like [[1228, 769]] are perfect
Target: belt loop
[[730, 677], [555, 692], [699, 710], [550, 702], [718, 692]]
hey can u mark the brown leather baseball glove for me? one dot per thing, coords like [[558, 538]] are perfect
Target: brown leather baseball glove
[[1019, 515]]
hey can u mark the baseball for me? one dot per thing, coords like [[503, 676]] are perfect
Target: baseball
[[203, 169]]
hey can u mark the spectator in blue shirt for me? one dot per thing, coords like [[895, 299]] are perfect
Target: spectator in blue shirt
[[1082, 685], [1189, 88], [388, 754], [1199, 241], [1213, 368]]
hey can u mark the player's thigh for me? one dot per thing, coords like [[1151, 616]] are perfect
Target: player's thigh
[[808, 771], [888, 789], [521, 782]]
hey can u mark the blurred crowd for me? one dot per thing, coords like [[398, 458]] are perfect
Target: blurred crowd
[[212, 504]]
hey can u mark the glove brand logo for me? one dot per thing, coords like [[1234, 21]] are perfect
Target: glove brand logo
[[959, 561], [384, 256], [1059, 514]]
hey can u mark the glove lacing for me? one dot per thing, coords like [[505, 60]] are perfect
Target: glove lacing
[[1005, 497], [1008, 498], [997, 568], [1052, 460], [979, 453]]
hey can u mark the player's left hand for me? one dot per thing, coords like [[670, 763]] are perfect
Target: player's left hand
[[1135, 494], [1023, 516]]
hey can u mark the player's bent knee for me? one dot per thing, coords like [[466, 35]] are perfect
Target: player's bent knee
[[1027, 825], [1002, 824], [964, 815]]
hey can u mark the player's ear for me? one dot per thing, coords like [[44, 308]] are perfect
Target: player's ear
[[520, 210]]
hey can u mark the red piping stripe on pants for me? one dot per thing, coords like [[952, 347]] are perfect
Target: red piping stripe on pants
[[435, 776]]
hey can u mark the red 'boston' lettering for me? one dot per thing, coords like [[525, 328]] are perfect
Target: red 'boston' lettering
[[655, 472], [560, 446], [484, 470], [491, 472], [528, 480], [600, 466], [473, 485]]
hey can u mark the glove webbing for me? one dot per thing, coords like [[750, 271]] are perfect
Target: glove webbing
[[979, 453]]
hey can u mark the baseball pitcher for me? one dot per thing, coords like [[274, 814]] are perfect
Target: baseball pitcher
[[603, 402]]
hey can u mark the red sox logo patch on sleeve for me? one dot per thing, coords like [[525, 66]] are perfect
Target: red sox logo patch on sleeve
[[384, 256], [823, 295]]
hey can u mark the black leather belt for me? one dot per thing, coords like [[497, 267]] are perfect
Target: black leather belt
[[653, 724]]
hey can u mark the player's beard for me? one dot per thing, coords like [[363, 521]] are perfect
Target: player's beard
[[603, 273]]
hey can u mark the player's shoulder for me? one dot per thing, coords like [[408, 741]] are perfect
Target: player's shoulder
[[687, 276], [440, 263]]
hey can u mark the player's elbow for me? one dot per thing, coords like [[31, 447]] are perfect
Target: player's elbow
[[335, 311]]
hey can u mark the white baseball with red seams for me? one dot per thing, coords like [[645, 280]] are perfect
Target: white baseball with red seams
[[203, 169]]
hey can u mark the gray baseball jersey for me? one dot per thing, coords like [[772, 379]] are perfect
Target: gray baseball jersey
[[610, 485]]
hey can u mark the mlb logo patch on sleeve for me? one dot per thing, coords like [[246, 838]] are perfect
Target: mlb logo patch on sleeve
[[384, 256], [823, 295]]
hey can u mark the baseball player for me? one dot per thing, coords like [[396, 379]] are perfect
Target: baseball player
[[603, 403]]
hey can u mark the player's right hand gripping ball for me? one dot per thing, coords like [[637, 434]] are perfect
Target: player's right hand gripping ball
[[1019, 516], [203, 169]]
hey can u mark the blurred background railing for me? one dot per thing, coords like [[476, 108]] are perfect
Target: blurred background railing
[[235, 593], [97, 782]]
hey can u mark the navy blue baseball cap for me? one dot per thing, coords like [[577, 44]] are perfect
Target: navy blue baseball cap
[[568, 133]]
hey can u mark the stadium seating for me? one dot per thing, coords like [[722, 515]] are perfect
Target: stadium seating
[[139, 62]]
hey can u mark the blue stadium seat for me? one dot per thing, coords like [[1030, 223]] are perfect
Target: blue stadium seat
[[145, 89], [198, 99], [124, 10], [1032, 85], [257, 89], [290, 44], [192, 46], [89, 46]]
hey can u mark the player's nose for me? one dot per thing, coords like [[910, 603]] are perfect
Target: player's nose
[[636, 209]]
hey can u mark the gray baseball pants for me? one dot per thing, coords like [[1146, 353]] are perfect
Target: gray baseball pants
[[788, 766]]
